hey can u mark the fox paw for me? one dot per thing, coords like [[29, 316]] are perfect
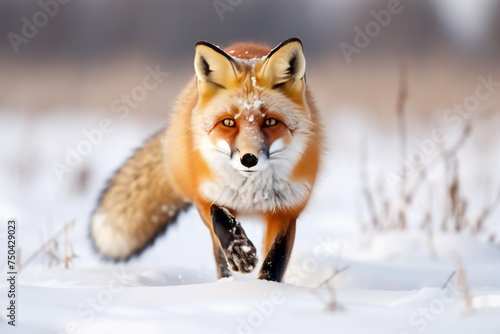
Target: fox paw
[[241, 255], [239, 251]]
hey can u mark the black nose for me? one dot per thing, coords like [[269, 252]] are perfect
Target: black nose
[[249, 160]]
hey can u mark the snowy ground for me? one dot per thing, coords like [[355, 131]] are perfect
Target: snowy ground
[[393, 283]]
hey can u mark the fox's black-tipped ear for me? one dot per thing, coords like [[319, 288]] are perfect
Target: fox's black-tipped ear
[[285, 64], [214, 67]]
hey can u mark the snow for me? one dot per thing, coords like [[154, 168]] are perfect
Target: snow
[[254, 81], [252, 103], [392, 281]]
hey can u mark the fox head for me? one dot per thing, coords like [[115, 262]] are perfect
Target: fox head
[[252, 118]]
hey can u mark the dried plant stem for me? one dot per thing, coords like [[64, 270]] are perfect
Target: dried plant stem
[[365, 183], [46, 244], [403, 138], [335, 273], [463, 287], [424, 172], [332, 303], [401, 108], [487, 211], [448, 280], [69, 254]]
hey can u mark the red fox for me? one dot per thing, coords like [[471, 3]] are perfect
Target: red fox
[[244, 138]]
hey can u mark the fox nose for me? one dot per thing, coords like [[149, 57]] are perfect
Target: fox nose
[[249, 160]]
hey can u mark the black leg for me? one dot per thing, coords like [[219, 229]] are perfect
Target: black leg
[[220, 259], [238, 250], [274, 266]]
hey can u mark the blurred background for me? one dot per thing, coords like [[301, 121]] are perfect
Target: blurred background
[[85, 53], [67, 65]]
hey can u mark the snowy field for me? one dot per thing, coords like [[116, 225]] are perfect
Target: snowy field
[[388, 281]]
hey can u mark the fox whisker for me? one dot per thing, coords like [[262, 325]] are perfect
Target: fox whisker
[[275, 152], [223, 152]]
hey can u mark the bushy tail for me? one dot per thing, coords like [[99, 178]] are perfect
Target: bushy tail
[[137, 205]]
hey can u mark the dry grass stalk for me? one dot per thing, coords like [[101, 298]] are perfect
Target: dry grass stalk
[[367, 193], [427, 226], [421, 177], [403, 137], [448, 280], [52, 253], [332, 300], [487, 211], [393, 213], [69, 254], [457, 203], [463, 287], [50, 248]]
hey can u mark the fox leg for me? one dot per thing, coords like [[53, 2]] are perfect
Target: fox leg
[[220, 259], [278, 244], [232, 248]]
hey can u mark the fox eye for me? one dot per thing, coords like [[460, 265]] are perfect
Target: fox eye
[[228, 122], [271, 122]]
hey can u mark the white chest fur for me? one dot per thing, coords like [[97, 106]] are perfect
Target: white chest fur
[[259, 192]]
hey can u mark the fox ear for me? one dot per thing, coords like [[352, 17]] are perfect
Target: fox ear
[[284, 65], [214, 68]]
